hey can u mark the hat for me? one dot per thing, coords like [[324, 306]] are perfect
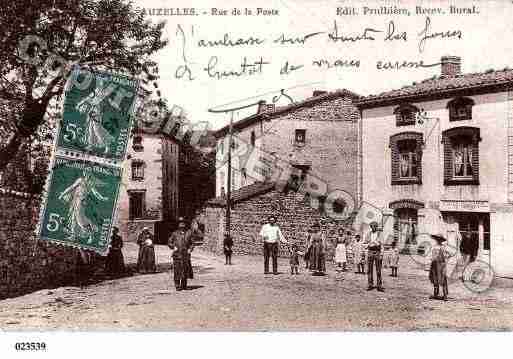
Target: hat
[[438, 237], [181, 220]]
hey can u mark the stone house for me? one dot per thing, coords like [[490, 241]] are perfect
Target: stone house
[[163, 179], [315, 139], [443, 144]]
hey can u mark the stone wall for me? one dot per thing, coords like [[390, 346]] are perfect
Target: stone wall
[[294, 216], [28, 264]]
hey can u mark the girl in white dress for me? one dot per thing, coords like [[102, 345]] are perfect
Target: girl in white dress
[[340, 252]]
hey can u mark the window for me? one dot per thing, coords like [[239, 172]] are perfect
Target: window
[[137, 170], [136, 204], [221, 147], [406, 150], [297, 177], [405, 115], [407, 159], [460, 109], [253, 138], [137, 143], [461, 156], [300, 137]]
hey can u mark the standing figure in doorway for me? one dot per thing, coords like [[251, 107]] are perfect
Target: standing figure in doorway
[[468, 248]]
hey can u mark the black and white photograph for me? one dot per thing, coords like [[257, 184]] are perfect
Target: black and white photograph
[[242, 167]]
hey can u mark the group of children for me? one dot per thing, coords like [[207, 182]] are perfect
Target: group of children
[[344, 242]]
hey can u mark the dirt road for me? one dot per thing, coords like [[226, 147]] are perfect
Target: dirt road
[[241, 297]]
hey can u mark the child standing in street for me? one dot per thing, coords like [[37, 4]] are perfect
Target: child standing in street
[[228, 244], [340, 251], [394, 258], [359, 255], [294, 259]]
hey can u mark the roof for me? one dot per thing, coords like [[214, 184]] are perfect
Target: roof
[[244, 193], [442, 87], [311, 101]]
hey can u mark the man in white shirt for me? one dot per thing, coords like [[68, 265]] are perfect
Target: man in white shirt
[[374, 244], [271, 235]]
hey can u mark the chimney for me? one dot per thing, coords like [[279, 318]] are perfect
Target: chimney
[[451, 66], [264, 107], [319, 93]]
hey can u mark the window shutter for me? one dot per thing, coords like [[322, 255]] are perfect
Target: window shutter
[[475, 158], [447, 158], [395, 161]]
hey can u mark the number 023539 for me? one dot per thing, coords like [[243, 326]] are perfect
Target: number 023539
[[30, 346]]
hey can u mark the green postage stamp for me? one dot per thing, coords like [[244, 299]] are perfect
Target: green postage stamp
[[98, 111], [81, 203]]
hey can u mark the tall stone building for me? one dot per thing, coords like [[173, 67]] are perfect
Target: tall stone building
[[314, 137], [163, 179]]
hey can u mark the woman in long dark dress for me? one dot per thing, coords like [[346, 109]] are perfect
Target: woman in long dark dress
[[146, 262], [317, 252], [115, 264]]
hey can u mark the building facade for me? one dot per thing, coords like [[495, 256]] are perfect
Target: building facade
[[316, 137], [163, 180], [149, 193], [444, 144]]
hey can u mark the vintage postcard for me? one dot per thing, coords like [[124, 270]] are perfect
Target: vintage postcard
[[280, 165]]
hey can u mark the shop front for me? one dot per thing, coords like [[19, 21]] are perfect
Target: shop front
[[470, 218]]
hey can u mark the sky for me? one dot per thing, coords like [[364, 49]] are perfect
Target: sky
[[484, 43]]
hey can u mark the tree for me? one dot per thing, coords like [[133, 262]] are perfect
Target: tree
[[97, 34]]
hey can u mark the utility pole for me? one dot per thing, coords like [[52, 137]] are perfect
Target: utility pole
[[229, 184]]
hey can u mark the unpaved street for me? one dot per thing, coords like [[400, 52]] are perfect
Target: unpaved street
[[241, 297]]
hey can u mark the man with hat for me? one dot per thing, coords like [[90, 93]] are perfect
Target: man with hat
[[438, 268], [181, 245], [271, 235], [374, 244]]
